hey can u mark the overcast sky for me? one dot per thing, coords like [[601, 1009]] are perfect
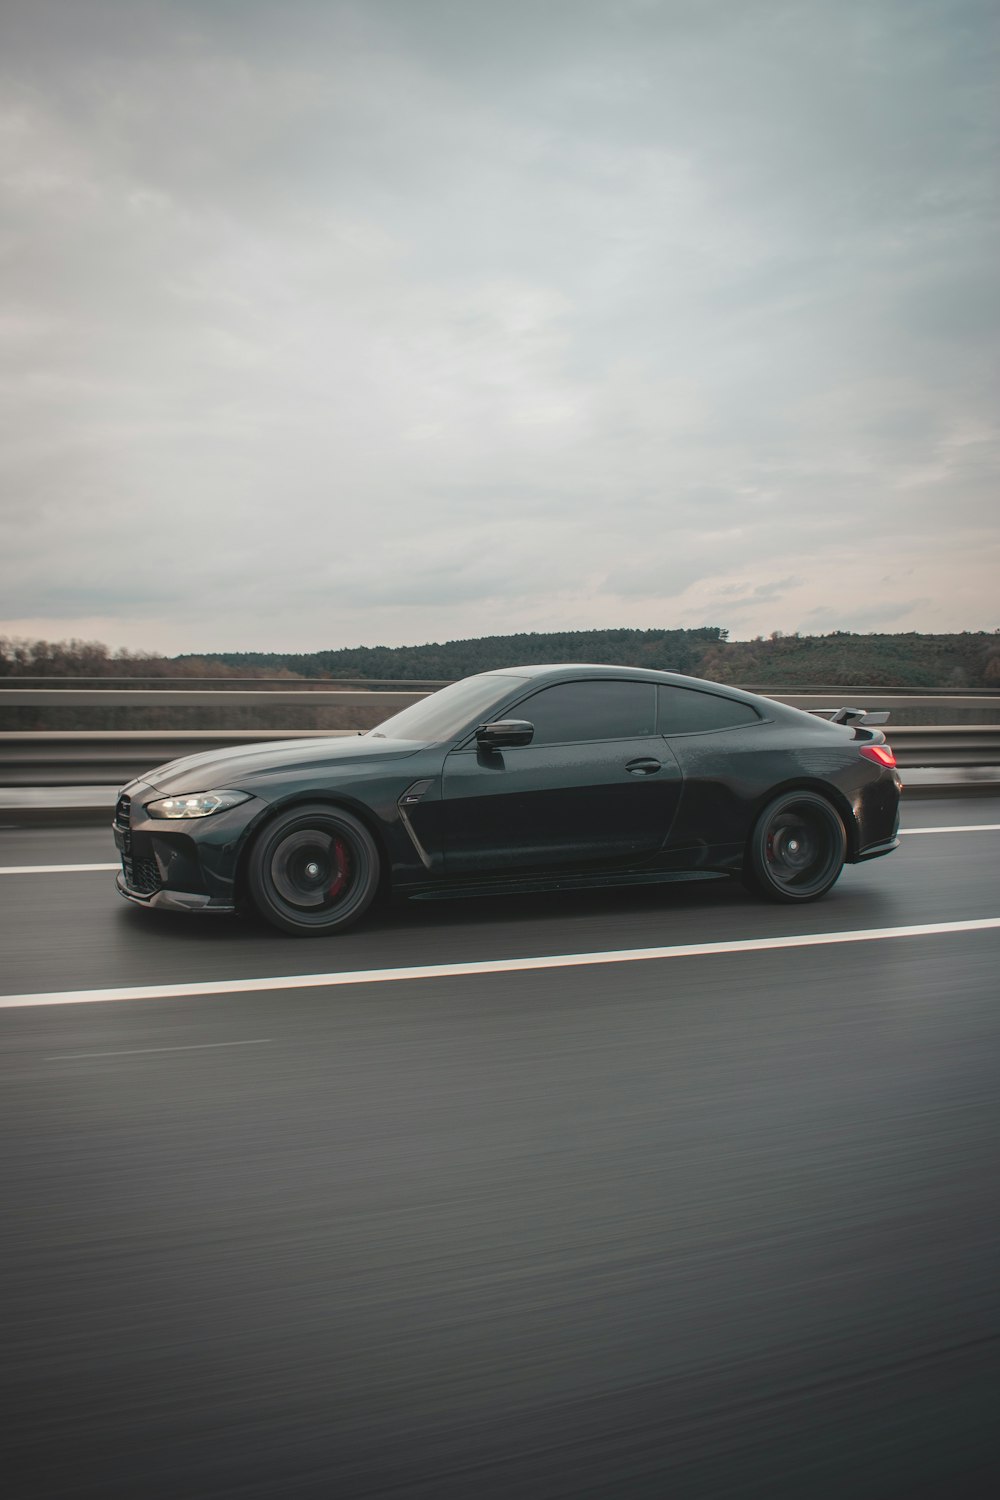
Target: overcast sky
[[326, 323]]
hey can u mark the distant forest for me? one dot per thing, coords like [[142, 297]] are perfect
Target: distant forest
[[969, 659]]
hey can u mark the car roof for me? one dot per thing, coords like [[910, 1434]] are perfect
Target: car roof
[[563, 671]]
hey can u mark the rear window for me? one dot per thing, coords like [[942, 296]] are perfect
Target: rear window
[[690, 711]]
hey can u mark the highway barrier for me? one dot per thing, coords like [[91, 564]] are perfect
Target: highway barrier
[[109, 757], [388, 698]]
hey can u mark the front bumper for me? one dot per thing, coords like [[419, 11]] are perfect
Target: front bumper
[[187, 865], [164, 900]]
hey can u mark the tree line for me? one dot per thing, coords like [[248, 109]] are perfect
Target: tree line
[[911, 659]]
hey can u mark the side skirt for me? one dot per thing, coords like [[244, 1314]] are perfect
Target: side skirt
[[528, 885]]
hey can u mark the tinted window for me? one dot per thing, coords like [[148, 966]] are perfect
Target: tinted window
[[590, 711], [687, 711]]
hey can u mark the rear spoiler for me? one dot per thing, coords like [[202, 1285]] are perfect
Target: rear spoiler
[[851, 716]]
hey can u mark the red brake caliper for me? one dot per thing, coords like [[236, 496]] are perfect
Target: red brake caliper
[[342, 864]]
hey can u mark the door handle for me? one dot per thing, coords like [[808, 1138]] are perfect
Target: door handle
[[643, 767]]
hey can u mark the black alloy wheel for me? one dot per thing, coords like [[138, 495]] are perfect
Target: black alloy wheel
[[797, 848], [314, 870]]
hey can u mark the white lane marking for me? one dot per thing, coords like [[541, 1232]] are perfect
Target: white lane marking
[[52, 869], [257, 1041], [957, 828], [487, 966], [74, 869]]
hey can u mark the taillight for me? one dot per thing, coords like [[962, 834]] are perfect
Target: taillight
[[880, 754]]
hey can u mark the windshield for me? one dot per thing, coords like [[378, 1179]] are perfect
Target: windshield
[[441, 715]]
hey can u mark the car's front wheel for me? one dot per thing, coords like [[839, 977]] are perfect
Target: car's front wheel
[[314, 870], [797, 848]]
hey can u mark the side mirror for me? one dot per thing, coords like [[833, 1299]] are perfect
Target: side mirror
[[504, 732]]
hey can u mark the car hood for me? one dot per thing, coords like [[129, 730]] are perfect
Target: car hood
[[236, 767]]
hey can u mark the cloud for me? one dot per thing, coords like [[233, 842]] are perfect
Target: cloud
[[330, 323], [762, 593], [820, 621]]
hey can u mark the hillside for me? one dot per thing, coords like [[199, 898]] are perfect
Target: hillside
[[969, 659]]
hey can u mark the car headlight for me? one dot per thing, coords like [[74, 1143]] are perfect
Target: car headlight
[[195, 804]]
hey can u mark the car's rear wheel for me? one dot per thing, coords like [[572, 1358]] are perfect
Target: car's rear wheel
[[797, 848], [314, 870]]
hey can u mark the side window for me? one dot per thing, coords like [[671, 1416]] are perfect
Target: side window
[[590, 711], [689, 711]]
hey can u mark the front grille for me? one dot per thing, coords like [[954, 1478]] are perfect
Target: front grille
[[141, 875], [123, 810]]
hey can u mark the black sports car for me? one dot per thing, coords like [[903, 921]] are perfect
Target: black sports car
[[537, 778]]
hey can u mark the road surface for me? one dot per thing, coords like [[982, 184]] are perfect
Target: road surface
[[723, 1223]]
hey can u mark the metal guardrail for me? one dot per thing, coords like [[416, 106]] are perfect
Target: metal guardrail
[[112, 756], [228, 684], [94, 757], [945, 744], [428, 684], [69, 694], [65, 758], [203, 698]]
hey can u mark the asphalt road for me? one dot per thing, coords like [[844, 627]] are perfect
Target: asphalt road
[[723, 1224]]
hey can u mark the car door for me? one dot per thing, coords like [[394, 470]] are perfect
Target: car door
[[596, 784], [724, 749]]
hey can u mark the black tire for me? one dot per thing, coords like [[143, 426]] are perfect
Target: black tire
[[313, 871], [797, 849]]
